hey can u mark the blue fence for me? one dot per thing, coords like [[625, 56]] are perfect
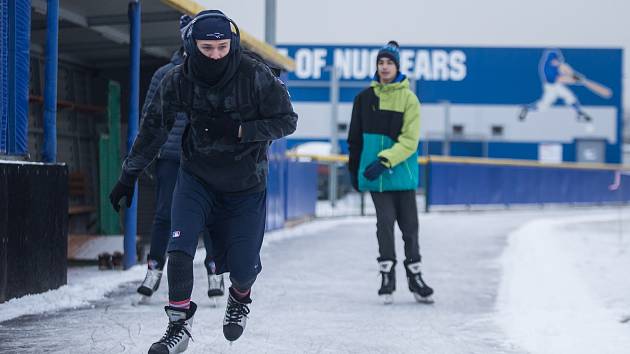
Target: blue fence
[[275, 185], [476, 181], [301, 189], [291, 187]]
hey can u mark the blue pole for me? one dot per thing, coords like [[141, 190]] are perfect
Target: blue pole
[[132, 130], [49, 152]]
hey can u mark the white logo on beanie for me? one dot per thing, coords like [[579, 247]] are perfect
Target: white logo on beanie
[[216, 35]]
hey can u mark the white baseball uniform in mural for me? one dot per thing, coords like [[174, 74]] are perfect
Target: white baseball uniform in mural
[[555, 75]]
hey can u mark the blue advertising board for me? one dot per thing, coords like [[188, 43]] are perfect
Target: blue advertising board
[[505, 100]]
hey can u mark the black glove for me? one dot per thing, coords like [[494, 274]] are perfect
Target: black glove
[[122, 189], [223, 127], [375, 169]]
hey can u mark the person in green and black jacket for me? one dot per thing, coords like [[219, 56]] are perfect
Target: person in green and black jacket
[[383, 151]]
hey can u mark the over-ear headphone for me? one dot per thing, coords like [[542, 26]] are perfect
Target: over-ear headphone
[[189, 42]]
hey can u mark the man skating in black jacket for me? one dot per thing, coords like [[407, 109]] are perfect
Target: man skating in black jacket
[[236, 108], [166, 171]]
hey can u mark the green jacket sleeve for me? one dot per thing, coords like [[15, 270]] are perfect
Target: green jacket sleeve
[[409, 136]]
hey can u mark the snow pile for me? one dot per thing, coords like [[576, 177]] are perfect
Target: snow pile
[[79, 292], [565, 286]]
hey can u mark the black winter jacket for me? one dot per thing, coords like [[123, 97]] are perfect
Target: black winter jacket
[[253, 96], [172, 148]]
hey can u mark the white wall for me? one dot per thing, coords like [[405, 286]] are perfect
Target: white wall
[[533, 23]]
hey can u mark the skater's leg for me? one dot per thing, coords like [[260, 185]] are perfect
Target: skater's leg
[[191, 204], [241, 226], [209, 261], [216, 286], [180, 279], [408, 222], [407, 217], [166, 176], [385, 219]]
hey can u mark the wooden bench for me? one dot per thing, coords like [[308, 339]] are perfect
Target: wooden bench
[[78, 187]]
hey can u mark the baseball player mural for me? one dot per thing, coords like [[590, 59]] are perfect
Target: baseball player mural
[[555, 74]]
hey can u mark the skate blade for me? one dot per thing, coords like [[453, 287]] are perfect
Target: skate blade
[[423, 300], [213, 302], [388, 299]]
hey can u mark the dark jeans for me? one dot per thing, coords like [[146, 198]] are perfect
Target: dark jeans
[[236, 224], [397, 206], [166, 178]]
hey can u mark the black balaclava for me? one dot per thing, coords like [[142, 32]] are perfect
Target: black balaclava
[[212, 72]]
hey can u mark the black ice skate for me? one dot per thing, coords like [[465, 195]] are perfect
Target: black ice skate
[[388, 281], [421, 291], [235, 316], [216, 288], [177, 335], [151, 282]]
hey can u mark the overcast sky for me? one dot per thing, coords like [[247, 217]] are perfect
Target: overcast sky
[[532, 23]]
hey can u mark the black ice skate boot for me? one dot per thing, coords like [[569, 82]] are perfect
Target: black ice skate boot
[[235, 316], [388, 280], [421, 291], [152, 280], [177, 335]]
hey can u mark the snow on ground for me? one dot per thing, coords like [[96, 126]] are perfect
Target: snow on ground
[[526, 281], [84, 287], [565, 287], [87, 284]]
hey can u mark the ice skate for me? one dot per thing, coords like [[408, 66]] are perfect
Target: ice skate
[[151, 282], [420, 290], [216, 288], [177, 335], [388, 281], [235, 316]]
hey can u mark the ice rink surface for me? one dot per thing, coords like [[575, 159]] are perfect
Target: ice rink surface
[[505, 282]]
